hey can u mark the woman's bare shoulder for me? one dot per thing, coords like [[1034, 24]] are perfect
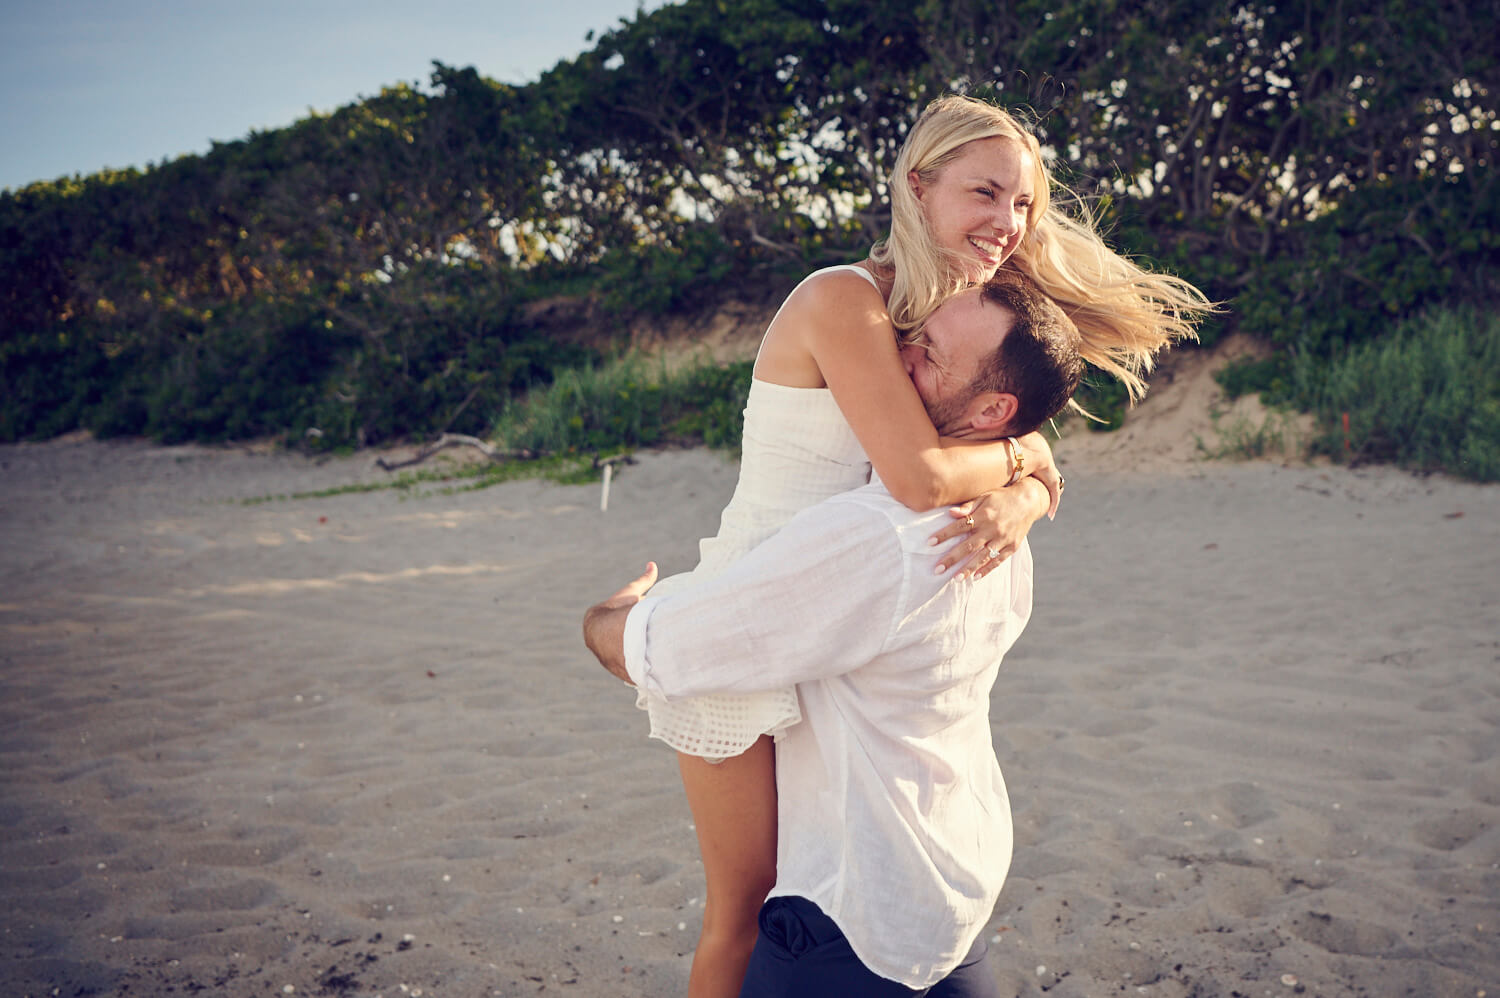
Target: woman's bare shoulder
[[837, 304], [838, 294]]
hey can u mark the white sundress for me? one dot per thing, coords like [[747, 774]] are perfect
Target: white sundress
[[798, 450]]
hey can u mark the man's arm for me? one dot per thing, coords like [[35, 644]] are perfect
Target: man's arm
[[817, 599], [604, 623]]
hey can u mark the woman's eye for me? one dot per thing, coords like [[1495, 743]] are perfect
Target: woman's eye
[[985, 192]]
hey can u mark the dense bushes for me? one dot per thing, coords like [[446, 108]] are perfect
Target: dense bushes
[[364, 275], [1368, 313], [629, 402], [1387, 251], [384, 363]]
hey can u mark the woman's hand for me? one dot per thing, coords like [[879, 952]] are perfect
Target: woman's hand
[[1037, 455], [996, 523]]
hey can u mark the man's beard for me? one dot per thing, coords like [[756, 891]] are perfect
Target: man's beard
[[945, 413]]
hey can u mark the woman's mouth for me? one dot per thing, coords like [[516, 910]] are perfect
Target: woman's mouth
[[990, 250]]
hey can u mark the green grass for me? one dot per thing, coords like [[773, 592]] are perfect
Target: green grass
[[629, 402], [585, 415], [1426, 396], [1243, 438], [452, 479]]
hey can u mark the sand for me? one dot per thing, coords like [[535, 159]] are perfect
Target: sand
[[354, 746]]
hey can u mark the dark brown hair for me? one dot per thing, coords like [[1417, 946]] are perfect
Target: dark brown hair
[[1038, 360]]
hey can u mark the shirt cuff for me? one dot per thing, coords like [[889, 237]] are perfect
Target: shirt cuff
[[636, 622]]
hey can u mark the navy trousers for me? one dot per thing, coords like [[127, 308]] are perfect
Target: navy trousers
[[800, 953]]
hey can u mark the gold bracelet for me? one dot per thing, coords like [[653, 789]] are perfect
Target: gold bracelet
[[1018, 462]]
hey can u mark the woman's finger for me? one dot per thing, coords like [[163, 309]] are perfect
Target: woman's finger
[[985, 558], [963, 523], [965, 556], [1052, 479]]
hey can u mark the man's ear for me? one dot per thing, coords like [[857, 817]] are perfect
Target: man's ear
[[991, 413]]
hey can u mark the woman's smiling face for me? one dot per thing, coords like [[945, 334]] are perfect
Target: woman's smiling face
[[976, 206]]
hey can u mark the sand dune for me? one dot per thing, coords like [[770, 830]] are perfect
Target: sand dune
[[354, 746]]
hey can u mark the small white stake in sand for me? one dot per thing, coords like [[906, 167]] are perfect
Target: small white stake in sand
[[604, 494]]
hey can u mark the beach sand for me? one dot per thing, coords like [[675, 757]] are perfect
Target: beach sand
[[353, 745]]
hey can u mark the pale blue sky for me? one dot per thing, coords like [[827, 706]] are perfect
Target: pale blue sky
[[89, 84]]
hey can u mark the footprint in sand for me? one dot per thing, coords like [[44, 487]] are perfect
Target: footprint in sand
[[1242, 805], [1452, 831], [1348, 936], [241, 895]]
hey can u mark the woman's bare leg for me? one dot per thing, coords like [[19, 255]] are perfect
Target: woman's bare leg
[[734, 808]]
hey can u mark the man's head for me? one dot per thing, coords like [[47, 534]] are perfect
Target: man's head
[[997, 360]]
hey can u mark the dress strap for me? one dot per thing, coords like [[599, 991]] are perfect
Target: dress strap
[[853, 268]]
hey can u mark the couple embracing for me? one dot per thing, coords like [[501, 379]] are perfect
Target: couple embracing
[[825, 672]]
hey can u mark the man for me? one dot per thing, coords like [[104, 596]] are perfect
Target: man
[[894, 826]]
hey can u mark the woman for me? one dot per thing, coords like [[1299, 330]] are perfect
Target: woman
[[831, 398]]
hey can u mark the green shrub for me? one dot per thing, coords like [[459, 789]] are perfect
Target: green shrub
[[654, 279], [629, 402], [48, 380], [442, 347], [1388, 250], [1105, 399], [1427, 396], [1267, 376]]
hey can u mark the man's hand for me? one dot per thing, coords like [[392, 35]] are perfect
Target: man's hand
[[604, 623]]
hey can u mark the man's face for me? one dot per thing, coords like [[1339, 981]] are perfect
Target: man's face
[[957, 338]]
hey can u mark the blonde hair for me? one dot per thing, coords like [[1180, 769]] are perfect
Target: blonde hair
[[1124, 313]]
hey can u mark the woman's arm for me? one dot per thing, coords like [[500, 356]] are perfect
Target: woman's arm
[[835, 332], [840, 325]]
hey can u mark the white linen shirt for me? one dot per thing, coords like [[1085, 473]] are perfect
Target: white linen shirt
[[892, 814]]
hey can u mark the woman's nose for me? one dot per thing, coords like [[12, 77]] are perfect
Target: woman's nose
[[1007, 219]]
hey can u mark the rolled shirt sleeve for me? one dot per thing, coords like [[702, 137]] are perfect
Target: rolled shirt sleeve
[[817, 599]]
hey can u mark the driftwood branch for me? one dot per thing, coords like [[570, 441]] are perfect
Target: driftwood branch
[[447, 440], [489, 450], [600, 463]]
